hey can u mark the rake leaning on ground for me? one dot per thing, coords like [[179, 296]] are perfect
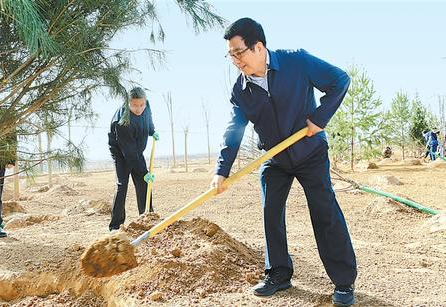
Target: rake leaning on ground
[[356, 186]]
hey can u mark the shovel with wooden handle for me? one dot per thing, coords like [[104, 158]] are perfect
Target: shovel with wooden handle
[[150, 183], [115, 254]]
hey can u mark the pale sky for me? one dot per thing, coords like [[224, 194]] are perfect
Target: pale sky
[[401, 45]]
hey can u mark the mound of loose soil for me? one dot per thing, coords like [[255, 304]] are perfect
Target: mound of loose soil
[[436, 223], [412, 161], [8, 191], [437, 164], [372, 165], [384, 206], [89, 207], [101, 206], [39, 189], [65, 299], [200, 170], [25, 197], [63, 190], [193, 257], [385, 161], [10, 207], [143, 223], [188, 258], [387, 179], [361, 166], [25, 220], [79, 184]]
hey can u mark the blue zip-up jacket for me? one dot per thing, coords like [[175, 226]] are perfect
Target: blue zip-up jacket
[[131, 141], [432, 139], [277, 114]]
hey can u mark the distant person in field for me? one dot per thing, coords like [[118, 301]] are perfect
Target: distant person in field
[[130, 128], [8, 151], [431, 143], [275, 91], [427, 149], [387, 152]]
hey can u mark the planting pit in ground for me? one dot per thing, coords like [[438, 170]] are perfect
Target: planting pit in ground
[[10, 207], [25, 220]]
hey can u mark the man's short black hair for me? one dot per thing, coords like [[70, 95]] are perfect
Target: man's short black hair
[[249, 30]]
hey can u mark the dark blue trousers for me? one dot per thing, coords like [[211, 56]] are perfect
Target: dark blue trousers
[[329, 226], [432, 151], [123, 170]]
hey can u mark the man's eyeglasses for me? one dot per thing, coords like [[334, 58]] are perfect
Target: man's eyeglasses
[[237, 55]]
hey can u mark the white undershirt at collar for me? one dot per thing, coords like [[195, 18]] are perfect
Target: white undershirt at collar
[[261, 81]]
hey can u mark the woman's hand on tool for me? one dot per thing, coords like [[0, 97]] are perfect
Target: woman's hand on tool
[[149, 177], [156, 136]]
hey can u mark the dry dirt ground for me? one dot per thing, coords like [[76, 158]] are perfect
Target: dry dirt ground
[[214, 255]]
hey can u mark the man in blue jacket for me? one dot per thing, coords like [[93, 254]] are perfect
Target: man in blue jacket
[[129, 130], [275, 91]]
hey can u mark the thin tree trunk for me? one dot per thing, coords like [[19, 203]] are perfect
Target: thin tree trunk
[[185, 151], [352, 143], [16, 182], [402, 141], [69, 136], [39, 140], [169, 104], [49, 167], [206, 120], [173, 145], [209, 145]]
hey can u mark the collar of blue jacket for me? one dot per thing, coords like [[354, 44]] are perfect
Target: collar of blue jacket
[[271, 63]]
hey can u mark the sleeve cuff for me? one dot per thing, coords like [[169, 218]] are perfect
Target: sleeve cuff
[[222, 171], [317, 121]]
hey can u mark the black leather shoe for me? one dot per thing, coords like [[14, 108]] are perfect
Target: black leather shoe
[[274, 281]]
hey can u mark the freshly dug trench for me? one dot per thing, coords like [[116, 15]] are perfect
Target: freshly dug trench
[[109, 256]]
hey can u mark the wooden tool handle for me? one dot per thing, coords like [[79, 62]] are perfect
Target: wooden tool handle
[[213, 191]]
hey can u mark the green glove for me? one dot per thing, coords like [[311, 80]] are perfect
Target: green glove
[[156, 136], [149, 177]]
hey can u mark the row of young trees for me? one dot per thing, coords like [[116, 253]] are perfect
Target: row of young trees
[[206, 116], [361, 127]]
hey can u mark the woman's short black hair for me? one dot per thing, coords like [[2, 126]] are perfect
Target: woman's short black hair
[[249, 30]]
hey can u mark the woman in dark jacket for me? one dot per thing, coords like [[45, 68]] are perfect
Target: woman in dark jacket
[[129, 130]]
